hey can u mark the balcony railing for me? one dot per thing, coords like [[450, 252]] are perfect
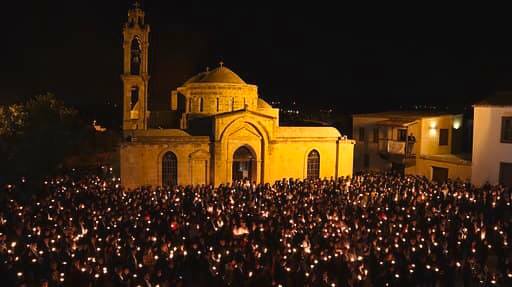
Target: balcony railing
[[399, 152], [392, 146], [397, 148]]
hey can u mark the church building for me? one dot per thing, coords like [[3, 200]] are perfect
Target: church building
[[223, 131]]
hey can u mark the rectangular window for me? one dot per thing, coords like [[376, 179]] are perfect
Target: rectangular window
[[361, 134], [506, 129], [217, 104], [402, 135], [443, 136], [375, 135]]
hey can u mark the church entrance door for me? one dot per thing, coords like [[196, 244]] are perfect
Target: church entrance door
[[244, 164]]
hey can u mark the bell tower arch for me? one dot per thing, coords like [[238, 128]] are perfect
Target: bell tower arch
[[135, 75]]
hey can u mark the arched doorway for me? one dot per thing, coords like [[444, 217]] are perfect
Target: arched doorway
[[244, 164], [313, 168], [169, 169]]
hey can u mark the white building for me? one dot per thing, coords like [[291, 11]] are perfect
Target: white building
[[492, 141]]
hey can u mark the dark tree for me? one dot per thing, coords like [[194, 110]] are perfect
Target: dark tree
[[37, 135]]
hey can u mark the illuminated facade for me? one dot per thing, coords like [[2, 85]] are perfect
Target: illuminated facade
[[223, 131], [411, 142], [492, 140]]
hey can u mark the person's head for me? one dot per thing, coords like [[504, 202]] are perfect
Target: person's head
[[126, 270]]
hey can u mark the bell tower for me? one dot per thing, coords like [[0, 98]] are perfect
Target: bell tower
[[135, 75]]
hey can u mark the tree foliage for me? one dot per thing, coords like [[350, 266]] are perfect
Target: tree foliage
[[35, 136], [11, 119]]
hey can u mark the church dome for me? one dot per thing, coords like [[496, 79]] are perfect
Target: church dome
[[219, 75], [197, 78]]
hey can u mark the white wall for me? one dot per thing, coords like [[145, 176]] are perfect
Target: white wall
[[488, 151]]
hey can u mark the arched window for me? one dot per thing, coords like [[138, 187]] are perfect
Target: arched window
[[136, 54], [218, 104], [134, 97], [169, 169], [232, 103], [313, 164], [201, 105]]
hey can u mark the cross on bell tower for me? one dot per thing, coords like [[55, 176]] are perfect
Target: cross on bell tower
[[135, 75]]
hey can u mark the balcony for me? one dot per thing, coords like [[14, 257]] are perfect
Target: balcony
[[395, 151]]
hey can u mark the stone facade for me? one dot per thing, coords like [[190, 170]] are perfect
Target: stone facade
[[225, 132]]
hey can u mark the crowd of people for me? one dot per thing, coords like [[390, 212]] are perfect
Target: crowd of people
[[372, 229]]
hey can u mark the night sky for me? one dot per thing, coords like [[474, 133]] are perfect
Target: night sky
[[353, 60]]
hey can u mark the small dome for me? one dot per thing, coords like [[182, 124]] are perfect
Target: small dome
[[218, 75]]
